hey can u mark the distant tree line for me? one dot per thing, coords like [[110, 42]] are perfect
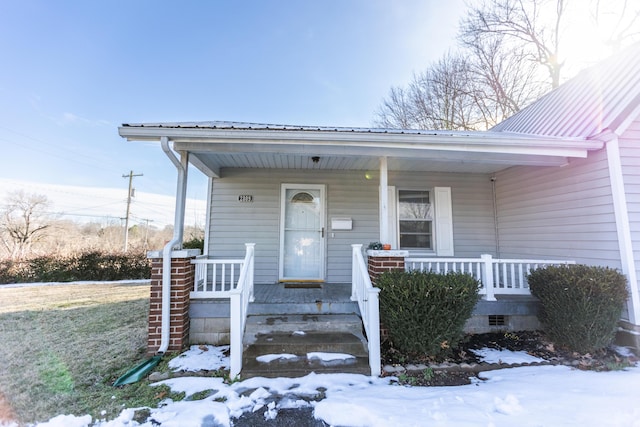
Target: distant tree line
[[27, 230]]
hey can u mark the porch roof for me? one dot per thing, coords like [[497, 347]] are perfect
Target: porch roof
[[217, 145]]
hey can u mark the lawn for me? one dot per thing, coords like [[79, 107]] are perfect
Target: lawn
[[64, 345]]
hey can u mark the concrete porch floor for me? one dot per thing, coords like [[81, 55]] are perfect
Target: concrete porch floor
[[330, 298], [277, 293]]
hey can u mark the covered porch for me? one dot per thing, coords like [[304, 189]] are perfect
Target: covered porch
[[505, 293], [361, 176]]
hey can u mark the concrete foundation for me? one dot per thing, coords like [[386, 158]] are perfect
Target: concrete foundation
[[481, 324], [209, 322], [628, 335]]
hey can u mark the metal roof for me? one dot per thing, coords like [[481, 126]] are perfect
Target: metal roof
[[217, 145], [605, 96], [230, 125]]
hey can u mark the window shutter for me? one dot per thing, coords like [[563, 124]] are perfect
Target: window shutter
[[444, 221]]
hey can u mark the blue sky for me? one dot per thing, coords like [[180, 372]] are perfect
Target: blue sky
[[73, 71]]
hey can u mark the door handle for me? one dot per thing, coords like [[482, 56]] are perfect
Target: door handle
[[322, 233]]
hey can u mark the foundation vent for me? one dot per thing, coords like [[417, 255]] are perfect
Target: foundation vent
[[497, 320]]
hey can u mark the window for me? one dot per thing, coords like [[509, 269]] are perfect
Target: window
[[415, 218]]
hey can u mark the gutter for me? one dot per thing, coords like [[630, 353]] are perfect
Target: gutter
[[176, 241], [365, 139]]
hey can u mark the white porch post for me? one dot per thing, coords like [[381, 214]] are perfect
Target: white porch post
[[487, 276], [384, 202], [373, 332]]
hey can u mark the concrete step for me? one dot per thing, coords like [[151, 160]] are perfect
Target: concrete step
[[302, 367], [289, 323], [317, 307], [300, 346]]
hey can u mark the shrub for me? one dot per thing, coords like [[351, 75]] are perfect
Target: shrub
[[425, 312], [194, 243], [580, 305], [92, 265]]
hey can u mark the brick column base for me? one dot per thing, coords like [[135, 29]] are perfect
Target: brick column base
[[381, 261], [182, 277]]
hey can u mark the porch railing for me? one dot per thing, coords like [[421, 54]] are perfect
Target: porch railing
[[367, 297], [240, 297], [216, 278], [497, 276]]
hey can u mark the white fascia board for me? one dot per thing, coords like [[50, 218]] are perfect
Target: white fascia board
[[477, 141], [373, 149]]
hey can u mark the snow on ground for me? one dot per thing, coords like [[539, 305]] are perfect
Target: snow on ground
[[508, 357], [200, 358], [525, 396]]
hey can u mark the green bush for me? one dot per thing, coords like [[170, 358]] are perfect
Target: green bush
[[580, 304], [194, 243], [425, 312], [92, 265]]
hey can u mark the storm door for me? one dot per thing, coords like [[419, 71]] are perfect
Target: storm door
[[302, 232]]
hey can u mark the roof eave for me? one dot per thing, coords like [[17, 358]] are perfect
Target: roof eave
[[468, 142]]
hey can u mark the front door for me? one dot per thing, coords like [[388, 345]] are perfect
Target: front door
[[302, 232]]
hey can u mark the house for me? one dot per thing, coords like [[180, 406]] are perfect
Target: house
[[558, 182]]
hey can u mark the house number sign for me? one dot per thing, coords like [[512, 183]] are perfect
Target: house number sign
[[245, 198]]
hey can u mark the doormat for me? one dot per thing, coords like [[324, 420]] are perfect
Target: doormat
[[302, 285]]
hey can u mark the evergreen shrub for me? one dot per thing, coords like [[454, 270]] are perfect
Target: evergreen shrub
[[90, 265], [194, 243], [425, 312], [580, 304]]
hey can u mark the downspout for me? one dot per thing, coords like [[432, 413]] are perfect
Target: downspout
[[178, 229], [623, 227]]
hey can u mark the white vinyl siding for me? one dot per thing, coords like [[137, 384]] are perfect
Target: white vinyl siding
[[558, 212], [348, 194], [471, 208]]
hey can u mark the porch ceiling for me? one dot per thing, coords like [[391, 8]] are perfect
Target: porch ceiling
[[437, 162], [217, 145]]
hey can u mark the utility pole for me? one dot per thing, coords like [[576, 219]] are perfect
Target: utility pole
[[146, 233], [130, 175]]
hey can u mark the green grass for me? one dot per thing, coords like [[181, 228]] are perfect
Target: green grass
[[64, 346]]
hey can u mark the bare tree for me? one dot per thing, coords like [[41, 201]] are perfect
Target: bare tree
[[620, 17], [439, 98], [470, 92], [396, 111], [512, 53], [23, 221], [531, 26], [504, 81]]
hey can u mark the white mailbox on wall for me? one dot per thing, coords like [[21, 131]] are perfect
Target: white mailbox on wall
[[341, 224]]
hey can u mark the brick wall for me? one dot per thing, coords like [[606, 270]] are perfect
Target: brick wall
[[379, 264], [182, 277]]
